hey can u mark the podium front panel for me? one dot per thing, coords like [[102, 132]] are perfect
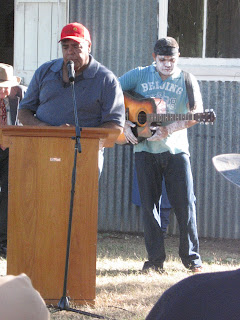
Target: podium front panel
[[40, 183]]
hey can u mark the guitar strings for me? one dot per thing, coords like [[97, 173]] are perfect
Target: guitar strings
[[161, 117]]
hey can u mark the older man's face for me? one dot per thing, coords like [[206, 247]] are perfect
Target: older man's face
[[77, 52], [4, 92]]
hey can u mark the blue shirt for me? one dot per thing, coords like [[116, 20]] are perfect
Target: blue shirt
[[147, 82], [99, 97]]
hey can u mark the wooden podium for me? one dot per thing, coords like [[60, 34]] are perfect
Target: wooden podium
[[40, 180]]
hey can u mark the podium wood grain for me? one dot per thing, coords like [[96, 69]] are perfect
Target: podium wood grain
[[40, 173]]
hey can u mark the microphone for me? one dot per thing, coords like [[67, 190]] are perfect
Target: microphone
[[71, 71]]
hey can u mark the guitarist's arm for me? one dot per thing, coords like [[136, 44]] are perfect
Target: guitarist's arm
[[163, 132], [179, 125]]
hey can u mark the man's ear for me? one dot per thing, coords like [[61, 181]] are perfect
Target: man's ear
[[154, 56], [89, 47]]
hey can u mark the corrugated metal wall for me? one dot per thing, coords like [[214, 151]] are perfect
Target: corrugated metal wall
[[218, 201], [123, 32], [123, 35]]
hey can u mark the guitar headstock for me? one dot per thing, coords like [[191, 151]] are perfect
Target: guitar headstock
[[208, 116]]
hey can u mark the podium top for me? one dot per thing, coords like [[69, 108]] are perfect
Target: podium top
[[106, 135]]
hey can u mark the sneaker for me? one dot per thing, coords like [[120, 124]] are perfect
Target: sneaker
[[157, 266], [197, 269]]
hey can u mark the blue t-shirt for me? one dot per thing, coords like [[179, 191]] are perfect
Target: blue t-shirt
[[147, 82], [99, 97]]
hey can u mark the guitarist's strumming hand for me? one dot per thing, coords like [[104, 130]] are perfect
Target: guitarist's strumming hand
[[161, 133], [130, 137]]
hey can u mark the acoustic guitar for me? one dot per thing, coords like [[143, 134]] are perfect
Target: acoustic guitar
[[142, 112]]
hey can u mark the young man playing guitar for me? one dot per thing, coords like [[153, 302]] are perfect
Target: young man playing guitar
[[165, 154]]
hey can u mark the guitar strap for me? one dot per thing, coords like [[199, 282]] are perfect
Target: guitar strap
[[188, 83]]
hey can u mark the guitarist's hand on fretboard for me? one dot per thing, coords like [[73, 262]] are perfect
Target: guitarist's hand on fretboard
[[160, 134], [130, 137]]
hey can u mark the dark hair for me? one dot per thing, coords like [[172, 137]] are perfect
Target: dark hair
[[166, 46]]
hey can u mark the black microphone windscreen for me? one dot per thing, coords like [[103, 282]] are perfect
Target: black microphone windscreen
[[71, 71]]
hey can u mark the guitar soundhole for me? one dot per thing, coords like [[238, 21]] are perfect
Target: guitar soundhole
[[142, 118]]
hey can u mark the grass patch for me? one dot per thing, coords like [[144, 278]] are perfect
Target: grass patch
[[123, 292]]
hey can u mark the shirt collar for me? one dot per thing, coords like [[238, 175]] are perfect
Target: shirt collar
[[88, 73]]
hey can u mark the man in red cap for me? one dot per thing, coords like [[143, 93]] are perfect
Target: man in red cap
[[99, 97]]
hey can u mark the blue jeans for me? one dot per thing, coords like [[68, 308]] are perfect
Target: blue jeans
[[165, 208], [176, 170]]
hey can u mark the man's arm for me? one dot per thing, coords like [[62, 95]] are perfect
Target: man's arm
[[179, 125], [112, 125], [27, 117], [30, 102], [163, 132], [113, 109]]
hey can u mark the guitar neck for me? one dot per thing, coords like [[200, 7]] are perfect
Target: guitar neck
[[167, 117]]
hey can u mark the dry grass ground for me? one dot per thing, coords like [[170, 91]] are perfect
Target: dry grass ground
[[123, 292]]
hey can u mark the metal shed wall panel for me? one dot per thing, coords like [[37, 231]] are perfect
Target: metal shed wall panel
[[218, 201]]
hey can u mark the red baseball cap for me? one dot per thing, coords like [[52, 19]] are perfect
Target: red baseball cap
[[75, 31]]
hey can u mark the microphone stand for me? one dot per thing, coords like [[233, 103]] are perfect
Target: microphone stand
[[63, 303]]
